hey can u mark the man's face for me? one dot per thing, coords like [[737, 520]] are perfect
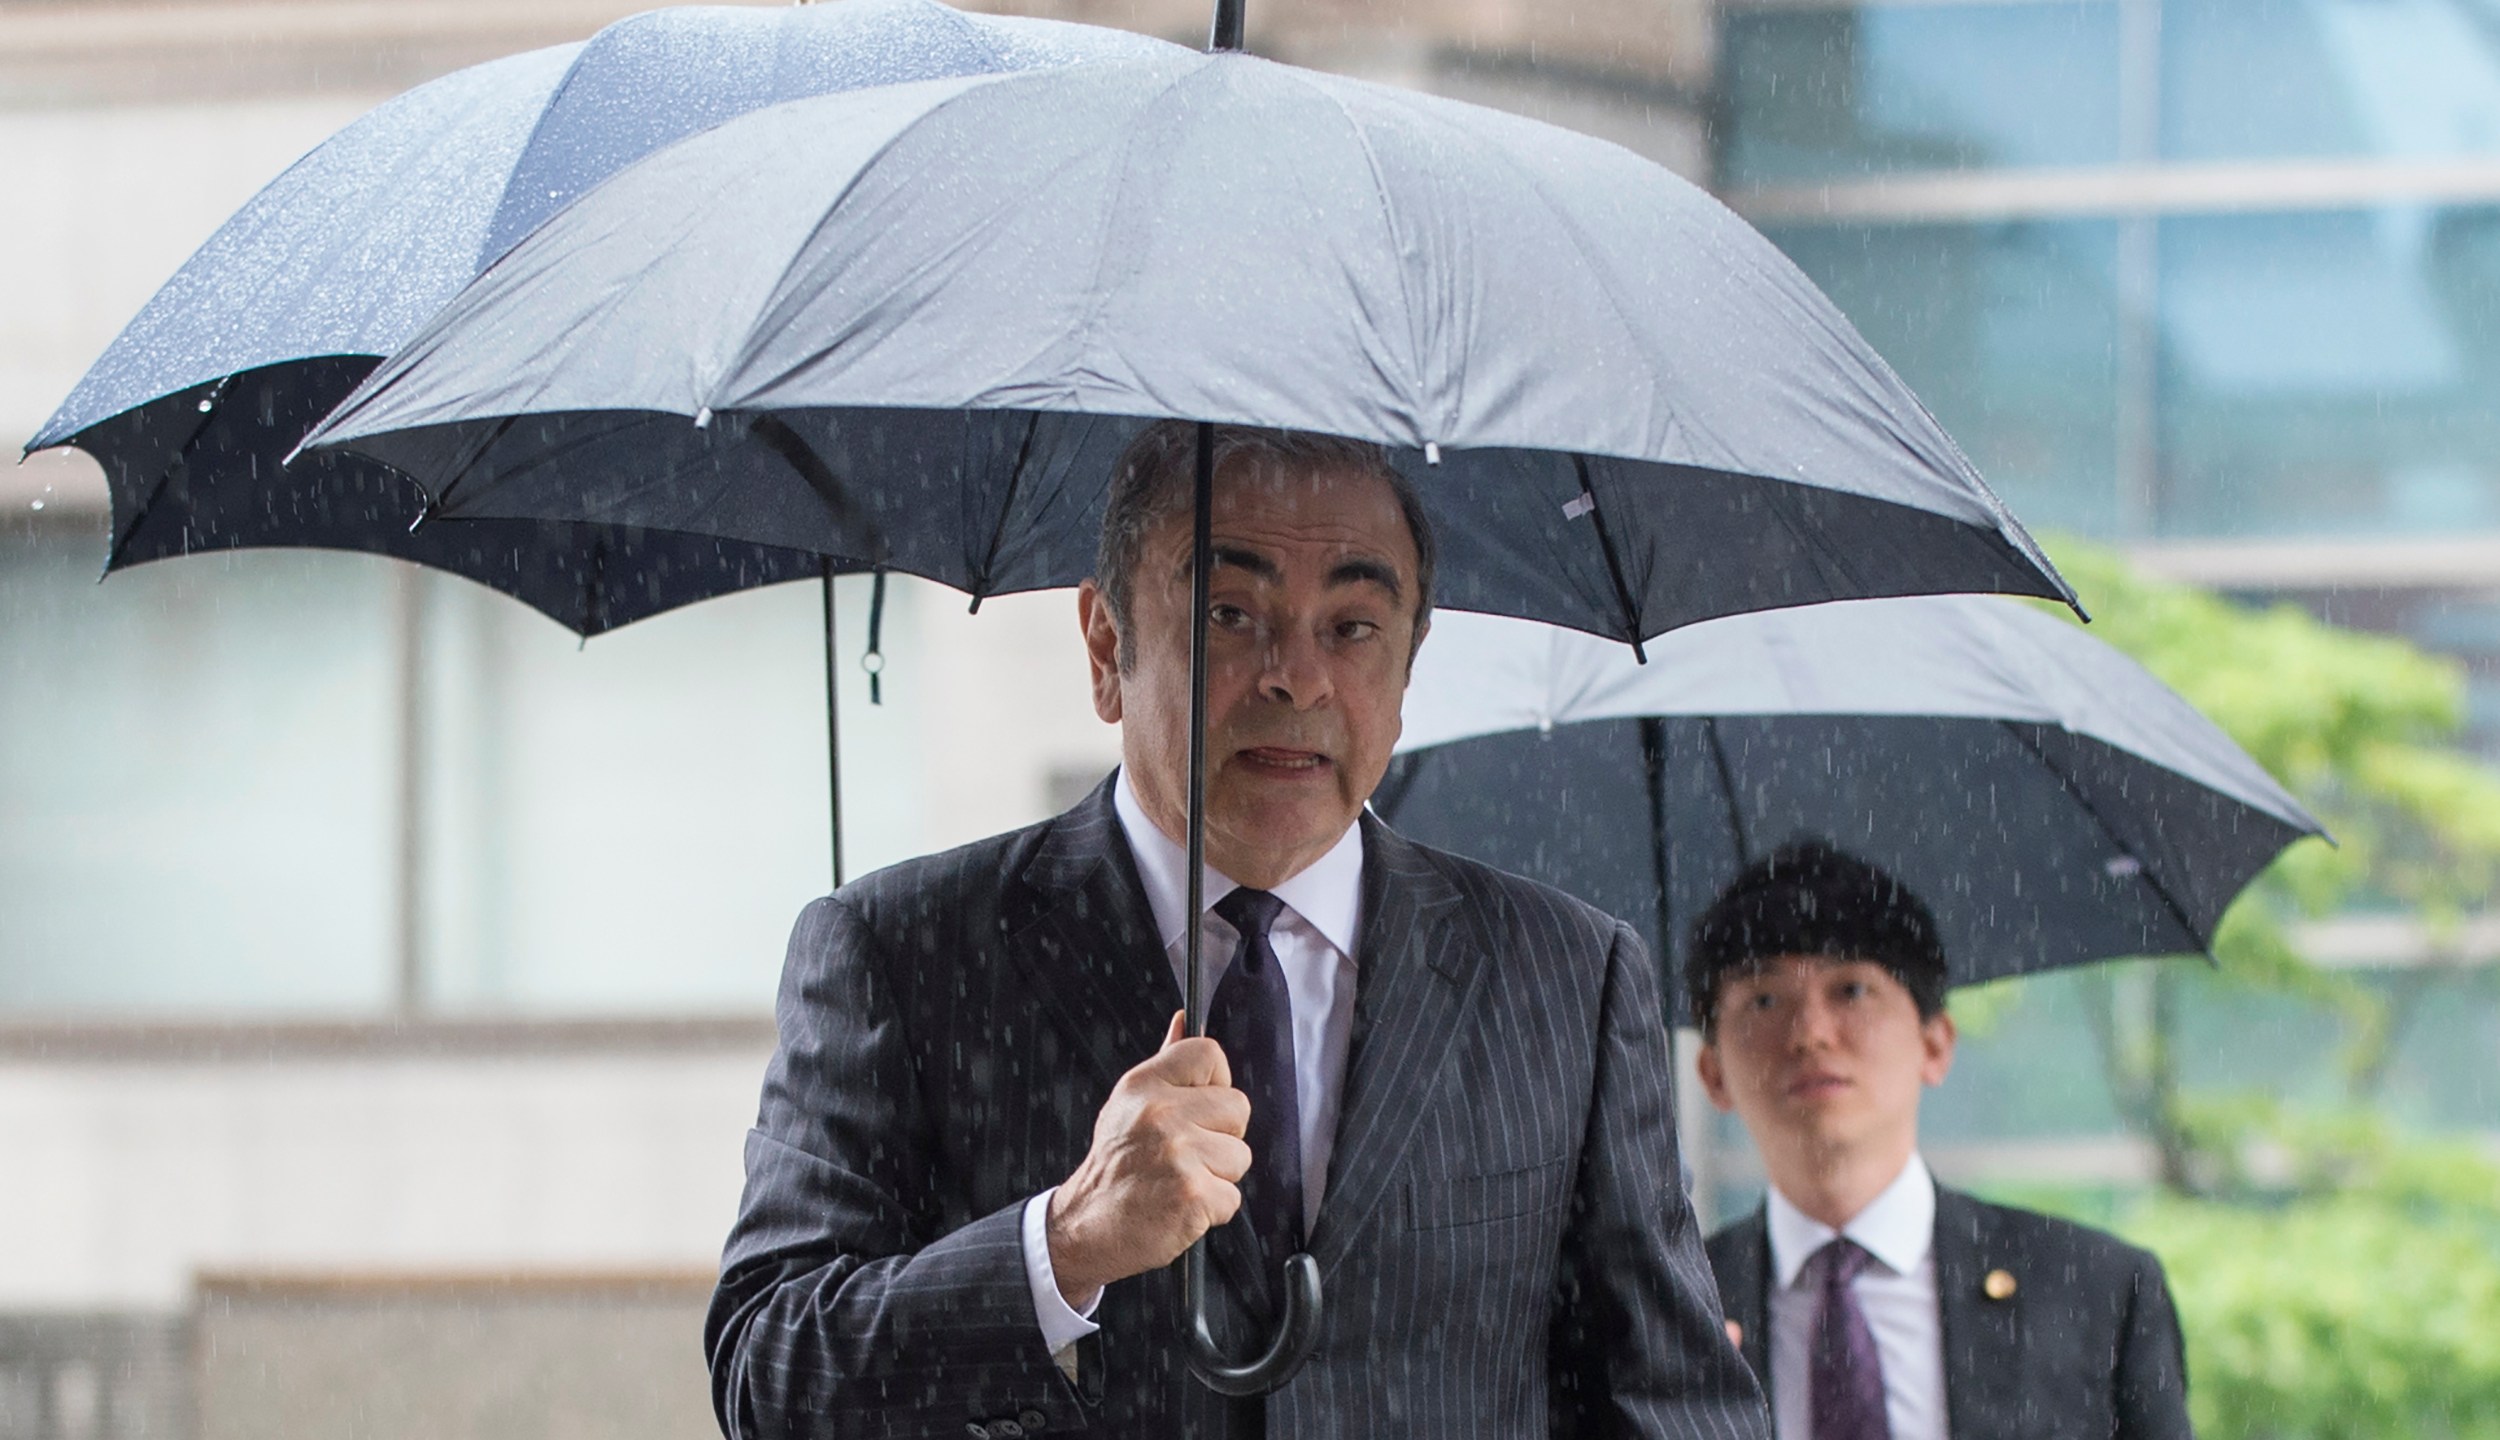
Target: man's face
[[1311, 627], [1823, 1053]]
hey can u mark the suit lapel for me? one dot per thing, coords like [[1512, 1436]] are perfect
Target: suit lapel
[[1982, 1336], [1415, 978], [1086, 940]]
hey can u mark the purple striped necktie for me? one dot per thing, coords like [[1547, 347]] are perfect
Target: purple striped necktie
[[1847, 1374], [1251, 1016]]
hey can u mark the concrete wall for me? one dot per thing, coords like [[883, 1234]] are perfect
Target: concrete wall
[[141, 1157], [529, 1357]]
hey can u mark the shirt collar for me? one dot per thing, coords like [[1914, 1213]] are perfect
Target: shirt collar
[[1327, 893], [1897, 1227]]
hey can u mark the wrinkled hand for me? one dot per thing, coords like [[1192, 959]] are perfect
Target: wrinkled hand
[[1165, 1167]]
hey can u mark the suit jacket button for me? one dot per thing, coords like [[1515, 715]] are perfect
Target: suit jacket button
[[1033, 1421], [1999, 1285], [1006, 1430], [976, 1430]]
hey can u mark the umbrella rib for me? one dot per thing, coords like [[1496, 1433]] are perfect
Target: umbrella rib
[[1614, 562], [811, 467], [1006, 506], [165, 476], [1727, 791], [2170, 902]]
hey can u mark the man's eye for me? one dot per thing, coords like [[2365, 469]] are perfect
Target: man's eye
[[1760, 1002], [1227, 617], [1357, 630]]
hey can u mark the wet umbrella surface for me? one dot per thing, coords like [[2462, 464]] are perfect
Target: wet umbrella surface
[[2051, 801]]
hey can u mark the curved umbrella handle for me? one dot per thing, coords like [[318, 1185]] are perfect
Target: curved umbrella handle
[[1285, 1353]]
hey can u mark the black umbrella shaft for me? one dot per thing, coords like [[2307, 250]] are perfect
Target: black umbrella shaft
[[833, 730], [1201, 559], [1226, 34]]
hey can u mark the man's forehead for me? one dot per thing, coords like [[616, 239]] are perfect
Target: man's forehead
[[1770, 966], [1336, 510]]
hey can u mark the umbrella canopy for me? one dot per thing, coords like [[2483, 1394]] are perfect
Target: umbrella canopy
[[2049, 799], [337, 262], [915, 325]]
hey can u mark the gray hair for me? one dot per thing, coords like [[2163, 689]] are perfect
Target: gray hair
[[1152, 482]]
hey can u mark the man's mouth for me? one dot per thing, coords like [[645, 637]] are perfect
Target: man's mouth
[[1278, 760], [1816, 1086]]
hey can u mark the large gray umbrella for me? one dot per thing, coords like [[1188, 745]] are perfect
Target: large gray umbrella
[[2049, 799], [915, 326]]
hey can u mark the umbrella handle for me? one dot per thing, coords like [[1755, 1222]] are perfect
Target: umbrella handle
[[1292, 1344]]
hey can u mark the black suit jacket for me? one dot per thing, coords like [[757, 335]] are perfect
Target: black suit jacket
[[2086, 1347], [1504, 1245]]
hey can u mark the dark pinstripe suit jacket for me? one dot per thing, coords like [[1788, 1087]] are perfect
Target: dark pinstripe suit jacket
[[2086, 1347], [1505, 1246]]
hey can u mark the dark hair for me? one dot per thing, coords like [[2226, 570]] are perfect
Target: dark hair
[[1153, 480], [1810, 899]]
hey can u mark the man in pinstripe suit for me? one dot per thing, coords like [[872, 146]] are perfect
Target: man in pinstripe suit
[[982, 1140]]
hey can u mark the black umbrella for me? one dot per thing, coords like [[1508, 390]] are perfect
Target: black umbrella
[[2051, 801], [916, 325]]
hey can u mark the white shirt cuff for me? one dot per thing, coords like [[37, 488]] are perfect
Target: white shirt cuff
[[1062, 1326]]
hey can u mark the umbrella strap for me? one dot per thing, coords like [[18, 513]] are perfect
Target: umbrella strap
[[874, 660]]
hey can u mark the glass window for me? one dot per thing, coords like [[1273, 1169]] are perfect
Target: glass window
[[2333, 372], [2270, 79], [2008, 332], [1815, 94]]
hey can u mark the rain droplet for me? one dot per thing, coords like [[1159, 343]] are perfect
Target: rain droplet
[[37, 505], [207, 404], [1432, 452], [703, 418]]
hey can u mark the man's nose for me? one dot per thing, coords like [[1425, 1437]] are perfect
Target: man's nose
[[1815, 1026], [1293, 670]]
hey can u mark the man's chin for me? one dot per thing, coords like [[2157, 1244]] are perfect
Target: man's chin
[[1293, 829]]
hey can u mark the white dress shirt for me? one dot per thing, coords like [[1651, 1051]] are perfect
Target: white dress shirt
[[1897, 1294], [1313, 937]]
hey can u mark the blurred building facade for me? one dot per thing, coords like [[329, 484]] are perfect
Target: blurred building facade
[[383, 975]]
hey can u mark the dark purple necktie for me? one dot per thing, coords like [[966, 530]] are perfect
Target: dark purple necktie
[[1847, 1375], [1251, 1016]]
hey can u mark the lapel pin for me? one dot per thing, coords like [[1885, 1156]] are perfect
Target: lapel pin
[[1999, 1285]]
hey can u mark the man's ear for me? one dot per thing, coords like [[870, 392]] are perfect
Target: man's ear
[[1102, 649], [1713, 1079], [1937, 1036]]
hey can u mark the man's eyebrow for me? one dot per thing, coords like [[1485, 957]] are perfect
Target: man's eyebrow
[[1363, 571], [1240, 559]]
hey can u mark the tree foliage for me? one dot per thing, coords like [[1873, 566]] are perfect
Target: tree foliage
[[2363, 1305]]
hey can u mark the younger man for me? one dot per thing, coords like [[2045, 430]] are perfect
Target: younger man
[[1875, 1304]]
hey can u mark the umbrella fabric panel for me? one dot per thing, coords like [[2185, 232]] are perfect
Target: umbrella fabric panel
[[1969, 656], [588, 578], [1964, 812], [651, 80], [347, 253], [1054, 242]]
